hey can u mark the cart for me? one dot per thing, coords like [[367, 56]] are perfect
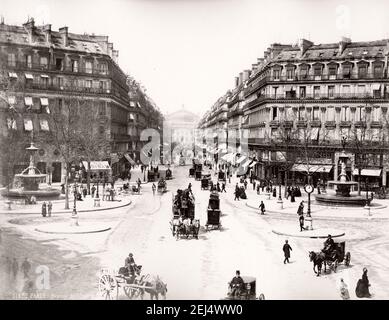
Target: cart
[[221, 176], [340, 256], [247, 292], [213, 212], [151, 176], [191, 172], [198, 175], [162, 186], [205, 178]]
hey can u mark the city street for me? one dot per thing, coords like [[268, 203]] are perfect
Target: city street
[[195, 269]]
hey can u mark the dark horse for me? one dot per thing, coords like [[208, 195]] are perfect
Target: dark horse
[[318, 258], [192, 229]]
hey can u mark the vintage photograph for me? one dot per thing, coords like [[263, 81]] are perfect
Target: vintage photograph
[[194, 150]]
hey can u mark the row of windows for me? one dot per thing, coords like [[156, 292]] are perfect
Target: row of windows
[[60, 64], [27, 124]]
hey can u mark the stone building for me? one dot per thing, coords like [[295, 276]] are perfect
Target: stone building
[[327, 91], [51, 66]]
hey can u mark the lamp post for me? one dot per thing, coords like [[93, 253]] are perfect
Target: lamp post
[[367, 206], [74, 212], [279, 201], [97, 187]]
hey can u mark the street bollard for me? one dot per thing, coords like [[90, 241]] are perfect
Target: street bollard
[[281, 204], [309, 219]]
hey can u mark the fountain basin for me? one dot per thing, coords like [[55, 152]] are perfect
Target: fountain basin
[[40, 194], [338, 200]]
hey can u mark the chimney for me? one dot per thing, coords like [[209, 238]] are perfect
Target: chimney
[[236, 82], [240, 78], [254, 67], [110, 49], [343, 44], [30, 27], [64, 35], [115, 56], [304, 45], [246, 75], [47, 31]]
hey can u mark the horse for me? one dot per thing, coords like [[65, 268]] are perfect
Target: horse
[[318, 258], [155, 286], [186, 230]]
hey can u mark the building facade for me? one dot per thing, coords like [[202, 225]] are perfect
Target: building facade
[[328, 92]]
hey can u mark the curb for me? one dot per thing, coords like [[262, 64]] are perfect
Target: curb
[[309, 237], [70, 210], [69, 232]]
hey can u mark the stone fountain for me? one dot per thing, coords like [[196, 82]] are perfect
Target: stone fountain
[[30, 178], [342, 196]]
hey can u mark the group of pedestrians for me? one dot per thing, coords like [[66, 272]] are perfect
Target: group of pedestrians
[[47, 209]]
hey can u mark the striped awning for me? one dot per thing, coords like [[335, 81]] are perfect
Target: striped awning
[[241, 159], [368, 172], [312, 168]]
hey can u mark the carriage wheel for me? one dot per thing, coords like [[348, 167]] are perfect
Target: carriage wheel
[[261, 297], [348, 259], [108, 287], [131, 293]]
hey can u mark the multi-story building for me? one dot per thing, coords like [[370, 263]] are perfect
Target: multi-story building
[[327, 91], [51, 66]]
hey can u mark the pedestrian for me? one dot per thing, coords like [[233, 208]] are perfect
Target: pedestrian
[[258, 189], [274, 192], [245, 184], [84, 192], [254, 183], [26, 267], [287, 249], [33, 200], [224, 187], [49, 208], [301, 220], [344, 294], [292, 195], [93, 191], [218, 187], [236, 192], [15, 268], [262, 207], [141, 168], [362, 289], [153, 187], [112, 193], [44, 209]]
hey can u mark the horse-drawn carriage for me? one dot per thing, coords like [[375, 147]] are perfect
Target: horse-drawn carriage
[[134, 286], [183, 222], [221, 176], [241, 192], [331, 259], [205, 179], [213, 212], [245, 292], [162, 185], [182, 161], [164, 173], [135, 189], [152, 176]]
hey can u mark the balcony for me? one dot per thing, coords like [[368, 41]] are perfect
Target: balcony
[[330, 124], [315, 123], [376, 124], [345, 124], [67, 88], [301, 123], [327, 77], [274, 124], [360, 124]]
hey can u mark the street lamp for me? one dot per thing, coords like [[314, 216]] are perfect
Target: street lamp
[[367, 206], [279, 201], [74, 212]]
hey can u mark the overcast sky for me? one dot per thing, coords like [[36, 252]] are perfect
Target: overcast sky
[[187, 52]]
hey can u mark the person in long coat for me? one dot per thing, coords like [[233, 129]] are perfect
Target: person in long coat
[[362, 289], [49, 208], [344, 294], [292, 195], [44, 212], [287, 249], [262, 207], [274, 192]]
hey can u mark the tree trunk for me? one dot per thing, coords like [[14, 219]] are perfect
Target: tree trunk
[[88, 178], [66, 190]]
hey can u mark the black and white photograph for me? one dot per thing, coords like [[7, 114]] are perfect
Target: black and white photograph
[[194, 150]]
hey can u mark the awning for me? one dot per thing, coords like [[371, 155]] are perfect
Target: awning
[[12, 100], [132, 104], [129, 159], [376, 86], [132, 116], [44, 101], [44, 124], [241, 159], [139, 105], [12, 75], [368, 172], [29, 76], [312, 168], [28, 101], [44, 76], [28, 125], [97, 165]]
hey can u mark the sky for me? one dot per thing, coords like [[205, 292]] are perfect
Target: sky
[[188, 52]]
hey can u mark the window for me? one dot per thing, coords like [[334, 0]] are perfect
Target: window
[[332, 70], [346, 90], [301, 113], [44, 80], [345, 114], [347, 71], [362, 71], [291, 94], [11, 123], [378, 71], [88, 83], [74, 65], [302, 92], [275, 91], [103, 68], [44, 125], [377, 93], [360, 114], [45, 105], [88, 66], [11, 60], [316, 92], [290, 73], [361, 90], [330, 114], [315, 114], [60, 104], [304, 72], [331, 91], [60, 81], [28, 125], [59, 64], [317, 71], [376, 114], [43, 61], [274, 113], [28, 61], [276, 74], [103, 85]]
